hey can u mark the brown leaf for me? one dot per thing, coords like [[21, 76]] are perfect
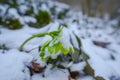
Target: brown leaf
[[37, 68], [74, 74], [101, 44], [69, 77], [99, 78]]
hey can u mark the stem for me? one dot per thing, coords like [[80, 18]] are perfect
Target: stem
[[52, 34], [32, 49], [36, 35]]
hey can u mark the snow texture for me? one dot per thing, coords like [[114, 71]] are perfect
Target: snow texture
[[105, 61]]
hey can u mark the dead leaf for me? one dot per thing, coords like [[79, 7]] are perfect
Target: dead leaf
[[69, 77], [74, 74], [101, 44], [99, 78], [37, 68]]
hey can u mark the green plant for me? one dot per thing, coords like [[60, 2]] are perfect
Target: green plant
[[11, 24], [43, 18], [53, 46], [14, 24]]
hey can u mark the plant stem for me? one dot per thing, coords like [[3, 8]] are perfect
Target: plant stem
[[36, 35], [52, 34]]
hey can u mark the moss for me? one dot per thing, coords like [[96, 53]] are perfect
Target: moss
[[11, 24], [43, 18], [62, 14], [14, 24]]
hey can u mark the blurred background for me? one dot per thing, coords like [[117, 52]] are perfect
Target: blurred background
[[109, 9]]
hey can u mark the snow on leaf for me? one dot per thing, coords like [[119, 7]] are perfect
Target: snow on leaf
[[89, 70]]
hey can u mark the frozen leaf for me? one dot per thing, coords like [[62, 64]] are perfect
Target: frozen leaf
[[78, 40], [76, 55], [37, 68], [88, 70], [84, 55]]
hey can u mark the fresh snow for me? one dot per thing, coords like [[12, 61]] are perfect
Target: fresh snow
[[14, 64]]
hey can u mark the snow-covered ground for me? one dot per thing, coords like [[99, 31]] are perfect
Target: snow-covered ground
[[104, 60]]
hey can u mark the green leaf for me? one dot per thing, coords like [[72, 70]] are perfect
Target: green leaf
[[50, 49], [88, 69], [46, 58], [85, 56], [76, 55], [71, 49], [64, 50], [58, 47], [78, 40], [56, 33], [42, 52]]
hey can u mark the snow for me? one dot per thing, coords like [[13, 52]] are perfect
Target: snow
[[54, 74], [13, 63], [29, 19], [13, 13]]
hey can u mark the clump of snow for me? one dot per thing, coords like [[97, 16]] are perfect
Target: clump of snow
[[56, 74], [14, 65]]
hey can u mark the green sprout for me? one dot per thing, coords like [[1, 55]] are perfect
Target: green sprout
[[53, 46]]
